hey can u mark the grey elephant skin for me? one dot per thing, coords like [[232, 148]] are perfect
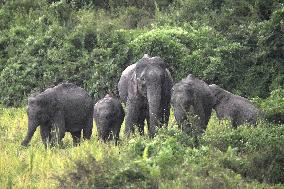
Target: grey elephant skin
[[108, 115], [145, 87], [192, 101], [63, 108], [237, 109]]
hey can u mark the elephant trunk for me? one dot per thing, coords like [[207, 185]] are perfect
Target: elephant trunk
[[32, 125], [155, 108], [180, 115]]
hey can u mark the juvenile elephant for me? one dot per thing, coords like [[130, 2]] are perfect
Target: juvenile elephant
[[192, 101], [233, 107], [108, 115], [145, 87], [64, 108]]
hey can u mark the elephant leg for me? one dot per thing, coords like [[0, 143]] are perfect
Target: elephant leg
[[59, 127], [110, 135], [87, 131], [151, 128], [141, 120], [116, 135], [166, 115], [132, 117], [76, 137], [45, 134], [101, 135], [30, 133], [148, 121], [235, 123]]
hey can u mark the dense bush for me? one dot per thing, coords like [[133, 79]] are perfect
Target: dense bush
[[237, 45], [224, 157], [246, 157], [257, 150], [190, 50], [273, 106]]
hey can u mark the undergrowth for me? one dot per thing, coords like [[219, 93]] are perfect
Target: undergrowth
[[247, 157]]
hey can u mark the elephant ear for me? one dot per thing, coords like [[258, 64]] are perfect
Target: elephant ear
[[219, 94], [133, 86], [49, 102], [32, 101], [198, 106], [142, 64]]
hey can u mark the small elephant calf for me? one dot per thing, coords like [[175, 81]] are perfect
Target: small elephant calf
[[233, 107], [108, 115]]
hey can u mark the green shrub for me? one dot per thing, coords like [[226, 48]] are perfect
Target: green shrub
[[88, 173], [258, 150], [77, 41], [190, 50], [266, 164], [169, 43], [273, 106]]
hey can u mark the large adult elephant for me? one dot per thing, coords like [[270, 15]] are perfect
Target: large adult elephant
[[64, 108], [145, 87], [192, 101]]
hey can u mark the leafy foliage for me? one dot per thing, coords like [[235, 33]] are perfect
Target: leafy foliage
[[273, 106], [256, 151], [237, 45], [246, 157]]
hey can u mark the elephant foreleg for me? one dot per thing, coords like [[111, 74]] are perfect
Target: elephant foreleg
[[59, 127], [141, 120], [116, 135], [29, 136], [76, 137], [132, 117], [45, 134], [166, 115], [87, 131]]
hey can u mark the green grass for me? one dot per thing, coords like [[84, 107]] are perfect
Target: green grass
[[35, 167], [223, 159]]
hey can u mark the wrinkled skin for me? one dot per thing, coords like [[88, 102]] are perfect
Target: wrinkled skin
[[237, 109], [192, 101], [108, 115], [145, 88], [63, 108]]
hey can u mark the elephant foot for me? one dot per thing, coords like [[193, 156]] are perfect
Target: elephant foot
[[24, 144]]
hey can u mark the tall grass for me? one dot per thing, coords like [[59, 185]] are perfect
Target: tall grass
[[167, 161], [35, 167]]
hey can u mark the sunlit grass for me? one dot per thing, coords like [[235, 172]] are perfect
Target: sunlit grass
[[37, 167], [34, 166]]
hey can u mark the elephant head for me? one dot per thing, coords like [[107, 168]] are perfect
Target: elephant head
[[152, 82], [38, 114], [145, 88], [104, 119], [192, 103], [183, 101], [218, 94]]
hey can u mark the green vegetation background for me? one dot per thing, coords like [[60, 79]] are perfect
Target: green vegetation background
[[236, 44]]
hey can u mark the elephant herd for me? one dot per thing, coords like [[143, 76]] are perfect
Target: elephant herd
[[147, 90]]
